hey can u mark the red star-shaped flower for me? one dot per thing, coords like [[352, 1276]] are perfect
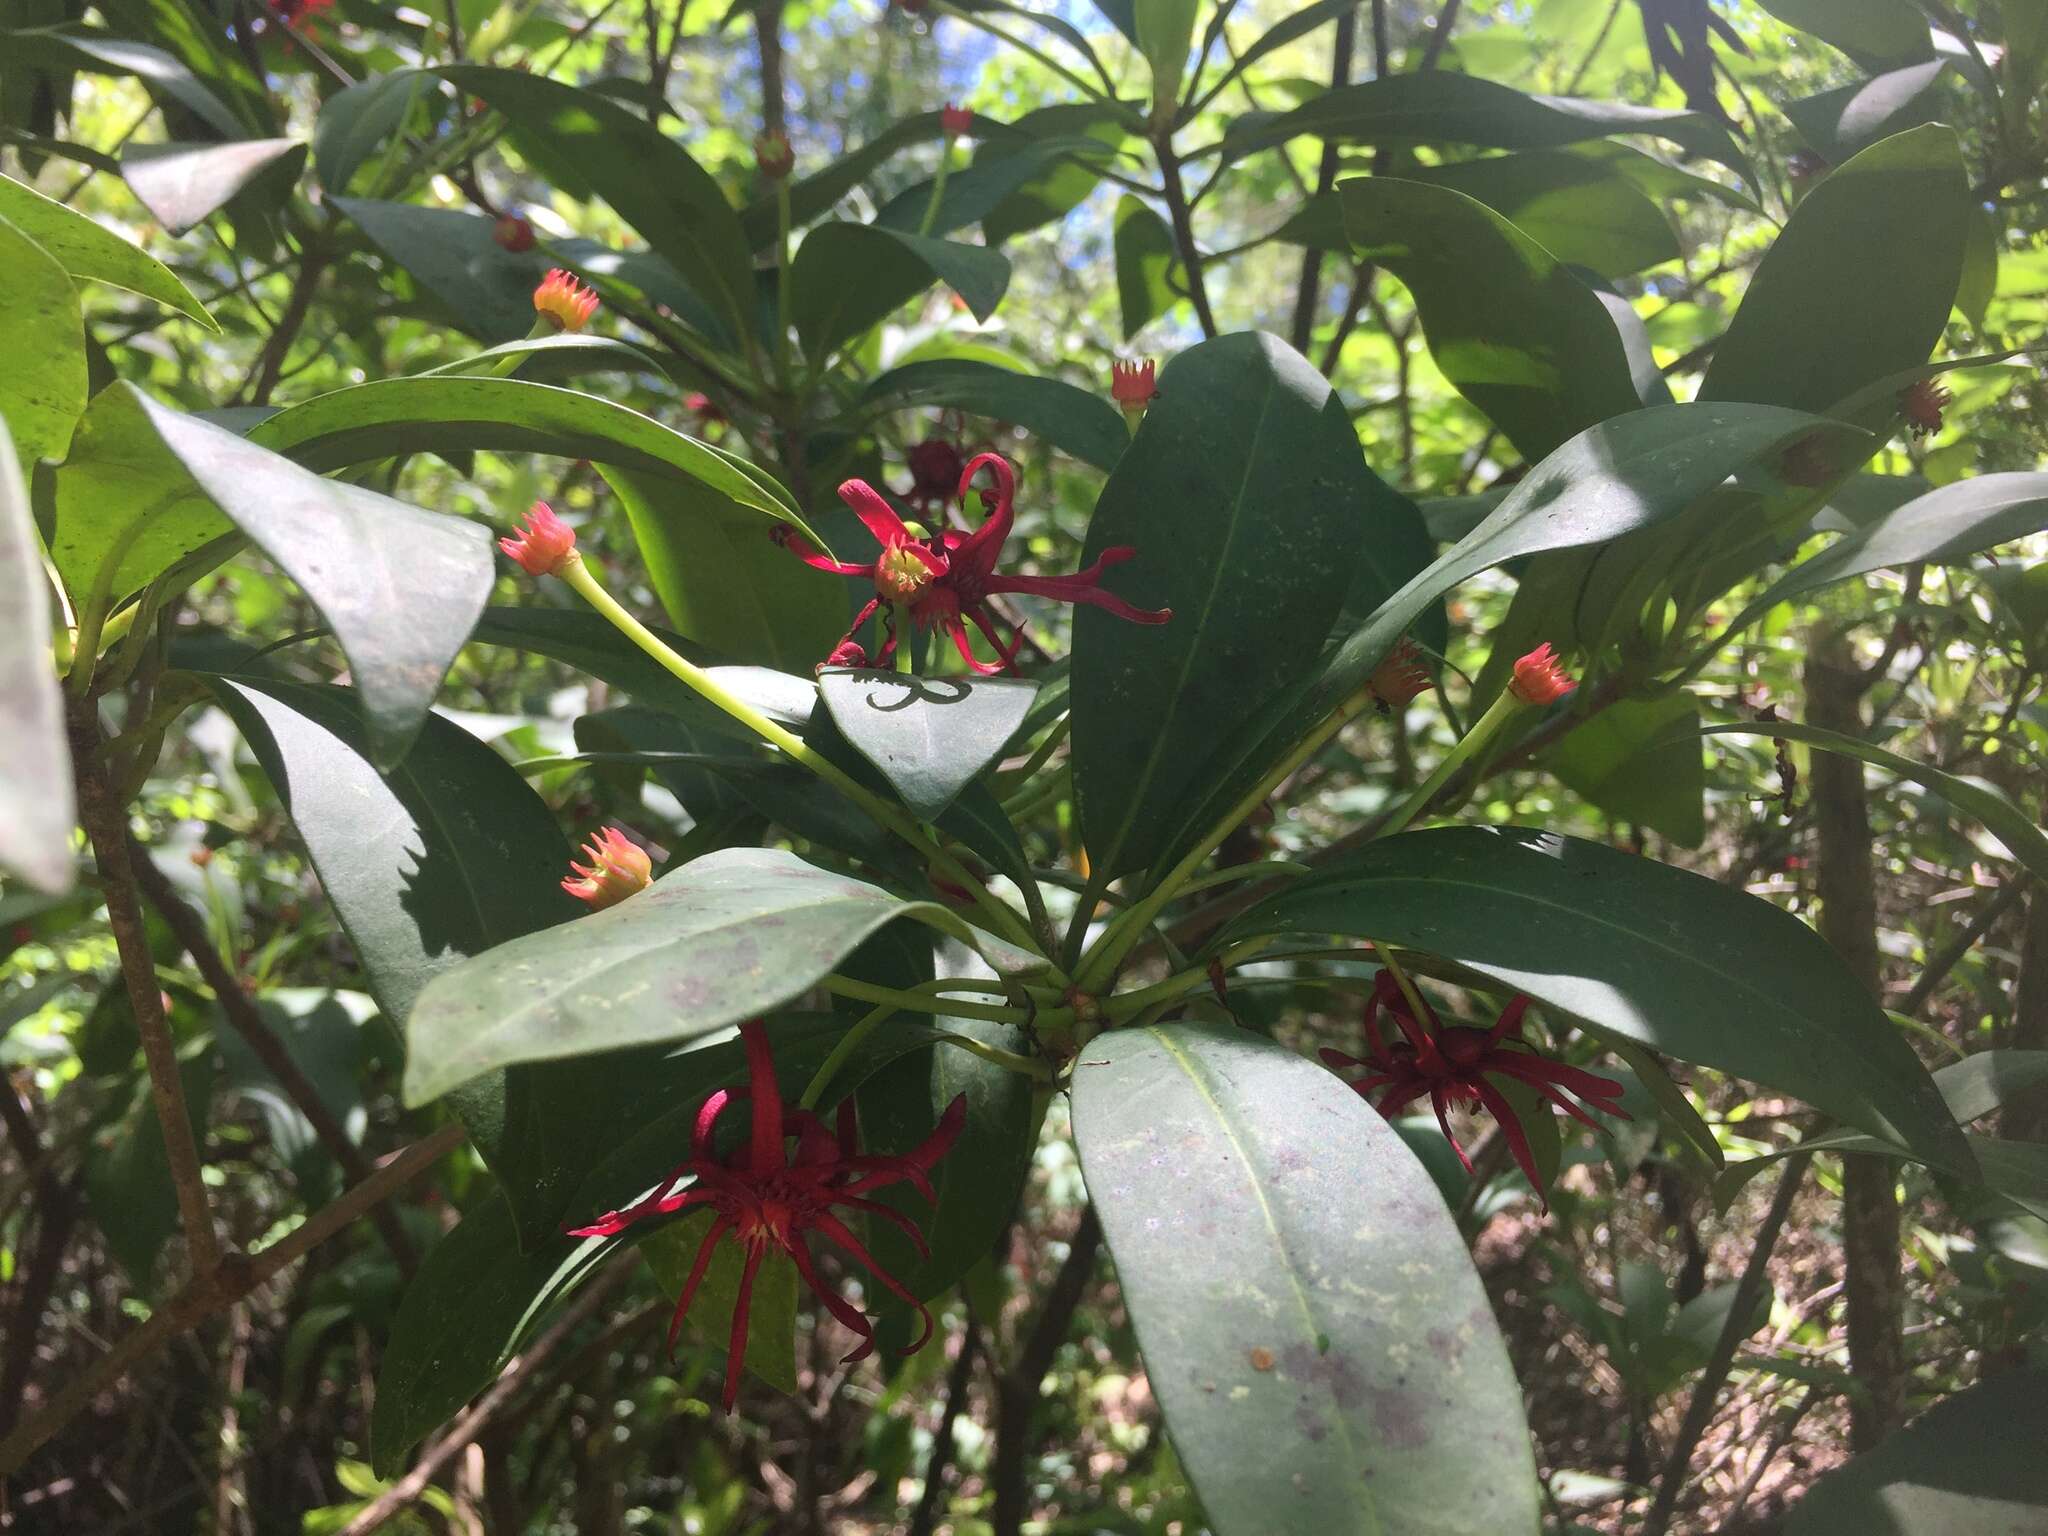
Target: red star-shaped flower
[[1539, 678], [765, 1197], [947, 580], [564, 302], [544, 545], [1452, 1066], [1922, 403]]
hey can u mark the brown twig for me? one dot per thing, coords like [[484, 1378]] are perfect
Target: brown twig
[[1308, 291], [56, 1210], [1749, 1291], [190, 930], [1440, 34], [408, 1488], [105, 822], [233, 1279], [1935, 972], [1017, 1397], [933, 1499], [1184, 229], [270, 362]]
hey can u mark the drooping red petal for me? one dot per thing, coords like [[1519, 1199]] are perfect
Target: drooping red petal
[[736, 1341], [855, 1321], [707, 1121], [1510, 1021], [718, 1230], [894, 1217], [965, 647], [974, 557], [1082, 587], [765, 1144], [1439, 1100], [880, 518], [1337, 1061], [1518, 1139], [841, 1236]]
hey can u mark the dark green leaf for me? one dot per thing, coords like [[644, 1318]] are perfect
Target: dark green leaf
[[1074, 420], [1970, 1466], [1669, 959], [1617, 478], [321, 1032], [723, 581], [1860, 283], [35, 762], [85, 249], [565, 356], [182, 183], [1515, 332], [1001, 172], [2003, 819], [167, 81], [128, 1184], [810, 196], [1067, 182], [1583, 212], [1165, 29], [43, 387], [930, 736], [1310, 1319], [1838, 123], [1626, 761], [588, 145], [1243, 495], [1145, 261], [727, 938], [401, 587], [451, 254], [1443, 108], [355, 121], [1989, 1080], [846, 277]]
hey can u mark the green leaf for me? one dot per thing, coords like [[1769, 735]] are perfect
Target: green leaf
[[1878, 34], [1945, 526], [1584, 212], [1859, 284], [320, 1031], [1617, 478], [87, 250], [1669, 959], [1969, 1466], [183, 183], [727, 938], [980, 1181], [1515, 332], [437, 415], [2000, 816], [930, 736], [846, 277], [1631, 761], [1145, 261], [1309, 1317], [442, 857], [1243, 495], [43, 388], [810, 196], [1063, 185], [1443, 108], [586, 144], [168, 82], [401, 587], [771, 1321], [356, 120], [486, 288], [1989, 1080], [1003, 178], [1838, 123], [475, 1296], [564, 356], [1075, 421], [1165, 30], [724, 583], [35, 761]]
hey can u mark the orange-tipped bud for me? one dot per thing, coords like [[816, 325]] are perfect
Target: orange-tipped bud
[[956, 121], [1401, 677], [565, 303], [1539, 679], [1133, 386], [773, 154], [513, 233], [544, 545], [617, 869]]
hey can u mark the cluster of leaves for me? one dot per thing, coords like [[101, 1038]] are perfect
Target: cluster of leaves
[[939, 887]]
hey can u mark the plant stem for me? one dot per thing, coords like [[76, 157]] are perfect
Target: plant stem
[[1183, 227], [782, 286], [226, 1285], [1129, 926], [1484, 729], [1749, 1291], [931, 207], [577, 573], [923, 999], [105, 823]]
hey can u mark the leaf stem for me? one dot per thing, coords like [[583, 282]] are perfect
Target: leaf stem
[[577, 573], [1484, 729], [931, 207], [924, 999], [782, 317], [1128, 927]]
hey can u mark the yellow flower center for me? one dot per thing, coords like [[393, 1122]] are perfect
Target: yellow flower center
[[900, 575]]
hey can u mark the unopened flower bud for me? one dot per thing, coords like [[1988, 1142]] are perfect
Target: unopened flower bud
[[544, 545], [617, 868], [564, 302], [1922, 403], [513, 233], [1538, 679], [956, 121], [773, 154]]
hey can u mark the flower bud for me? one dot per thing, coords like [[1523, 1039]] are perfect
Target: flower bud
[[513, 233], [563, 302], [1538, 678], [1132, 386], [773, 154], [1922, 403], [956, 121], [1400, 678], [544, 545], [617, 869]]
